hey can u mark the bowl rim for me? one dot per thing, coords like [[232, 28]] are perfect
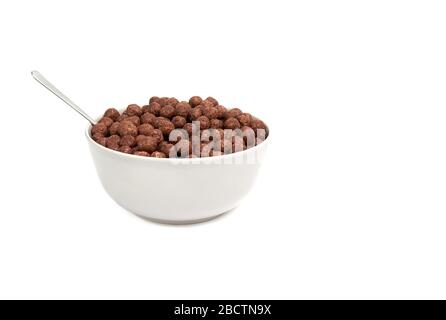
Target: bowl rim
[[184, 160]]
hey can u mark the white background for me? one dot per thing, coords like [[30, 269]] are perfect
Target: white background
[[350, 202]]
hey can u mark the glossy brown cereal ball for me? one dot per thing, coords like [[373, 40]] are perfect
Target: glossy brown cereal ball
[[154, 99], [168, 111], [148, 144], [148, 118], [158, 120], [166, 127], [112, 113], [221, 111], [157, 134], [113, 142], [179, 121], [165, 147], [233, 113], [122, 117], [99, 138], [244, 119], [216, 123], [125, 149], [163, 101], [128, 141], [154, 108], [257, 124], [158, 154], [99, 128], [127, 127], [195, 101], [139, 137], [141, 153], [135, 120], [212, 100], [172, 102], [113, 128], [195, 113], [133, 110], [188, 128], [182, 109], [231, 123], [210, 112], [206, 104], [204, 122], [145, 129], [145, 108], [107, 121]]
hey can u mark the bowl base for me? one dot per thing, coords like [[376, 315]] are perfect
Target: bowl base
[[180, 222]]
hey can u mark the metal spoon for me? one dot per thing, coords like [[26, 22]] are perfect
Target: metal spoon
[[44, 82]]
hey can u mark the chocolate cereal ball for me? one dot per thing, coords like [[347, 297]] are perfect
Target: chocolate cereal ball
[[99, 138], [134, 119], [112, 113], [148, 118], [216, 123], [133, 110], [154, 108], [165, 147], [182, 109], [210, 112], [168, 111], [145, 108], [195, 113], [188, 128], [158, 154], [122, 117], [148, 144], [233, 113], [157, 134], [179, 121], [195, 101], [166, 127], [138, 138], [244, 119], [99, 128], [221, 111], [145, 129], [128, 141], [113, 142], [141, 153], [258, 124], [127, 127], [154, 99], [204, 122], [231, 123], [163, 101], [206, 104], [172, 102], [125, 149], [107, 121], [158, 120], [212, 100], [113, 128]]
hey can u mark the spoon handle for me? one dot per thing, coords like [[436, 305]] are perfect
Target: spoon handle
[[44, 82]]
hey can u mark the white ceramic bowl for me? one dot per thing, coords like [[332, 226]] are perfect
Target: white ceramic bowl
[[177, 191]]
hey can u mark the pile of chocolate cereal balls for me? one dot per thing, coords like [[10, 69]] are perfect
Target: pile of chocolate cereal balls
[[152, 130]]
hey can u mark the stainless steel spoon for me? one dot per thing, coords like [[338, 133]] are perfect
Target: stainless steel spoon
[[44, 82]]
